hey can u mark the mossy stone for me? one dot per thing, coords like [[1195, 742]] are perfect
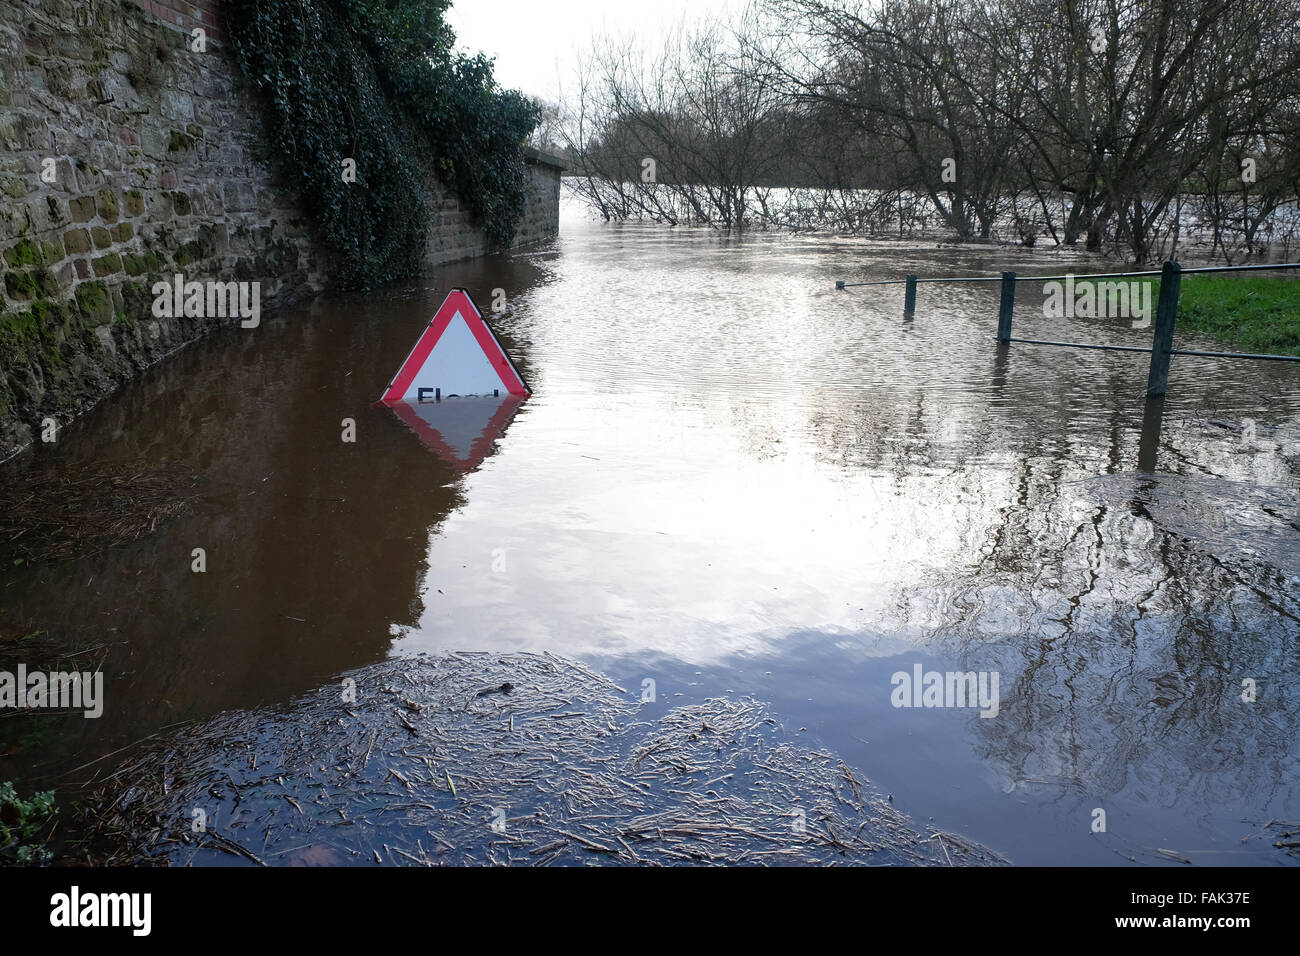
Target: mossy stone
[[137, 299], [46, 281], [22, 336], [109, 208], [22, 253], [77, 240], [27, 285], [94, 302], [82, 209], [108, 265], [191, 253], [21, 286], [179, 142]]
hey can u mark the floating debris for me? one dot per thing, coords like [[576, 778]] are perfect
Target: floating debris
[[1283, 834], [313, 783], [52, 515]]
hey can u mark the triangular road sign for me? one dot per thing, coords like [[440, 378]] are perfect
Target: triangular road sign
[[460, 430], [458, 355]]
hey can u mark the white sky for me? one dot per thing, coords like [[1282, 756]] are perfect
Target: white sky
[[534, 41]]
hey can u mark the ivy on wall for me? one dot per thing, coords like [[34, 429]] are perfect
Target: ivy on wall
[[378, 82]]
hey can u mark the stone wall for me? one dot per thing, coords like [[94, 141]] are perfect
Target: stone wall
[[453, 236], [542, 212], [127, 156]]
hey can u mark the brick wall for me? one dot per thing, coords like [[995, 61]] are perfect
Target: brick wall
[[186, 16]]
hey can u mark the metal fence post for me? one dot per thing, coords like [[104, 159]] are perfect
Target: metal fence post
[[1007, 306], [909, 297], [1153, 415], [1163, 342]]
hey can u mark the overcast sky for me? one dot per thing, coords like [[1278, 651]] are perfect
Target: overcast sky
[[531, 38]]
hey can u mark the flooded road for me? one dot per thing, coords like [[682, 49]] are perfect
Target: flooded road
[[732, 478]]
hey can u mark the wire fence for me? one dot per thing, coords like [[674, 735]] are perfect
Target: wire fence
[[1162, 345]]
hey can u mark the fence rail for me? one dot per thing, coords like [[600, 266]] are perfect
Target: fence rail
[[1162, 345]]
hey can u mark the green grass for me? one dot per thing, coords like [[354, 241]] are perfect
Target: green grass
[[1255, 314]]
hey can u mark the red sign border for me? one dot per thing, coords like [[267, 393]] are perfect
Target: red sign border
[[511, 380]]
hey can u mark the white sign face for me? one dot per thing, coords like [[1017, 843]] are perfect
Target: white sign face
[[457, 356], [456, 367]]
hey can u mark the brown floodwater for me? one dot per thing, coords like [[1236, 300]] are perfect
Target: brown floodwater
[[733, 479]]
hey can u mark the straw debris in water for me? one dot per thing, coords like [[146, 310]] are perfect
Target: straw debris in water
[[65, 514], [521, 759]]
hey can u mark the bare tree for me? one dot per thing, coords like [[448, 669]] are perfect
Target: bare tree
[[1101, 121]]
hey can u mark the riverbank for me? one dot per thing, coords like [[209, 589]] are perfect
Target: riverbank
[[1249, 313], [1253, 314]]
